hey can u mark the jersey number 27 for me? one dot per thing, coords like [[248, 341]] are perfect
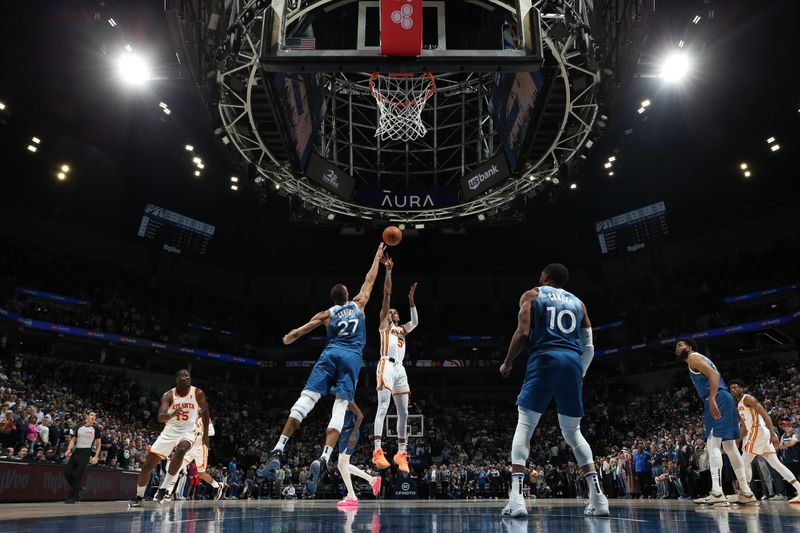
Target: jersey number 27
[[347, 328]]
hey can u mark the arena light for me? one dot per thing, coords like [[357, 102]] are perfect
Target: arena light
[[32, 148], [611, 173], [234, 187], [680, 43], [612, 159], [112, 23], [162, 105], [775, 147], [640, 110], [64, 168], [128, 48], [747, 174], [197, 173], [607, 165], [234, 179], [2, 106], [675, 67], [331, 216], [36, 140], [646, 103], [481, 217], [196, 160], [277, 186], [189, 148], [201, 166], [61, 176], [573, 186], [132, 68], [548, 178], [531, 176], [167, 111], [419, 226], [771, 140], [743, 166], [401, 227], [696, 19]]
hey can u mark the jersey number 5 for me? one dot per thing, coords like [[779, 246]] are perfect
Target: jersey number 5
[[343, 328], [558, 319]]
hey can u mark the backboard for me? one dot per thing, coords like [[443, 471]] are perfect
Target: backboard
[[345, 36]]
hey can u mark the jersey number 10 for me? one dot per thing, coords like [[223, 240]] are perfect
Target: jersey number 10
[[558, 319]]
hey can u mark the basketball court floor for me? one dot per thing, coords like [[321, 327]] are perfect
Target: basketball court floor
[[409, 515]]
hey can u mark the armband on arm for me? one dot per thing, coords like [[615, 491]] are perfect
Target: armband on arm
[[414, 322], [588, 348]]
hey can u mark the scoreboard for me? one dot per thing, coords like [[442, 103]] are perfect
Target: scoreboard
[[175, 233], [632, 230]]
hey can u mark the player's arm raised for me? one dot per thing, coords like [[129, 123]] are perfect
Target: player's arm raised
[[698, 364], [749, 401], [387, 262], [202, 402], [414, 322], [523, 330], [163, 410], [316, 321], [586, 340], [366, 289]]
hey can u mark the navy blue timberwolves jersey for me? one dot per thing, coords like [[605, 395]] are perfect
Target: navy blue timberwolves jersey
[[700, 381], [347, 327], [556, 317]]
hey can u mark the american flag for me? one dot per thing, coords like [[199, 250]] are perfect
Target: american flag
[[301, 43]]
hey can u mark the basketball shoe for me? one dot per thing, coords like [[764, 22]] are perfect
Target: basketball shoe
[[379, 459], [376, 486], [515, 507], [747, 498], [347, 502], [598, 506], [712, 499], [276, 459], [795, 500], [316, 473], [401, 458]]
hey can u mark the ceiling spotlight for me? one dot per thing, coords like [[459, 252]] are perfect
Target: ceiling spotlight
[[128, 48], [530, 177], [32, 148], [277, 186], [64, 168], [775, 147], [2, 106], [234, 179], [611, 173], [607, 165], [640, 110], [612, 159], [573, 186], [167, 111], [481, 217], [196, 160], [331, 216], [61, 176], [189, 148], [771, 140], [646, 103], [680, 43], [162, 105], [36, 140], [675, 67], [743, 166], [201, 166], [419, 226], [132, 68], [401, 227], [747, 174], [196, 172], [696, 19], [548, 178], [234, 187], [112, 23]]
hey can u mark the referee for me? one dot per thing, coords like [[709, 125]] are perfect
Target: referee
[[85, 436]]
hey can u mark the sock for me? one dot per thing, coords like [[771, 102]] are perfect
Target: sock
[[360, 473], [169, 482], [738, 466], [326, 454], [140, 490], [516, 484], [401, 447], [377, 444], [281, 443], [215, 484], [594, 484]]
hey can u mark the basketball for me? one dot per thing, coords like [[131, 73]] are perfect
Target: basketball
[[392, 235]]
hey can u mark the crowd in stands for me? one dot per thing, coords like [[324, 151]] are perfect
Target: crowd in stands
[[645, 444]]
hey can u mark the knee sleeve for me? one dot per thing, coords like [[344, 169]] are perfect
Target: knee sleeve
[[337, 414], [384, 397], [521, 445], [304, 404], [733, 453], [401, 403], [343, 464], [714, 452], [571, 430]]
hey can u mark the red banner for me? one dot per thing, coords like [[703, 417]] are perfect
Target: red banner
[[401, 27], [22, 481]]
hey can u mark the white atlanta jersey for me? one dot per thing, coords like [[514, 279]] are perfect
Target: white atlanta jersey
[[757, 441], [189, 421], [393, 343]]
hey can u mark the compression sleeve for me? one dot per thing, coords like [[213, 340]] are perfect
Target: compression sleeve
[[414, 322], [588, 348]]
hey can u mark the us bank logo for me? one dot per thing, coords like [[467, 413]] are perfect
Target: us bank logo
[[402, 16]]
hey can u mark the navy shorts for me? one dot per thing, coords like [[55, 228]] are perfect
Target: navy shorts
[[344, 437], [336, 372], [552, 375], [727, 427]]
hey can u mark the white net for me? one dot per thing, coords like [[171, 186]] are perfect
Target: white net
[[400, 99]]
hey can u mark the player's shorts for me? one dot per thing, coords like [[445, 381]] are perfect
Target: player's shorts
[[758, 442], [197, 453], [195, 481], [727, 427], [392, 377], [345, 437], [170, 438], [336, 372], [553, 374]]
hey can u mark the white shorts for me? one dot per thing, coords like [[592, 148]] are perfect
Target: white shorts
[[392, 377], [197, 453], [757, 442], [170, 438]]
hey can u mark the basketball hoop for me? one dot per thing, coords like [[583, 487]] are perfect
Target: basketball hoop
[[400, 98]]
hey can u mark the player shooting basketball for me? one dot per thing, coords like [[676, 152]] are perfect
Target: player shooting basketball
[[391, 378]]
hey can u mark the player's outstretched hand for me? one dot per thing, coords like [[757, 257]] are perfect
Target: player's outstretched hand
[[411, 291], [381, 248], [387, 262], [288, 338], [505, 369]]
